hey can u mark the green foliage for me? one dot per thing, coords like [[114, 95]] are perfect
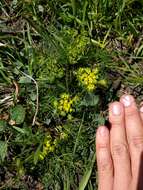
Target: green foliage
[[3, 150], [77, 48], [49, 69], [61, 63], [90, 100], [87, 175], [17, 114], [2, 125]]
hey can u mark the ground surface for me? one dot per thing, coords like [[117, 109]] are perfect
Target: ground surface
[[61, 63]]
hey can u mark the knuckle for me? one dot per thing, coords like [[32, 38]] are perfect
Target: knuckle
[[137, 142], [103, 159], [116, 121], [102, 146], [119, 149], [105, 166], [132, 112]]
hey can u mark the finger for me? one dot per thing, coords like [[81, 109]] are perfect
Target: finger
[[104, 161], [141, 111], [119, 147], [134, 130]]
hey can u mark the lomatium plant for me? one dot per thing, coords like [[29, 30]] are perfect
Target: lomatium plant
[[88, 78], [48, 146], [65, 105]]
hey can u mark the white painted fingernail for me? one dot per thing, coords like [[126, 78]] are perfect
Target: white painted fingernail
[[141, 109], [116, 109], [102, 131], [127, 100]]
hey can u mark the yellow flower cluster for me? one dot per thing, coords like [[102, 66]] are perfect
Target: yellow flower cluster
[[88, 77], [48, 147], [65, 104]]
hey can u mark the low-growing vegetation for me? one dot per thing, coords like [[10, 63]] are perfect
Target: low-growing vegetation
[[61, 63]]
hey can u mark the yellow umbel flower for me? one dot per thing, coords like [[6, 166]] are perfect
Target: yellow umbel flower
[[48, 147], [65, 104], [88, 77]]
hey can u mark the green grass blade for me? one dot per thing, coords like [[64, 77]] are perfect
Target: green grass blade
[[73, 6], [87, 174]]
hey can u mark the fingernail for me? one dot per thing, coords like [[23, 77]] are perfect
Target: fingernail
[[127, 100], [116, 109], [141, 109], [102, 131]]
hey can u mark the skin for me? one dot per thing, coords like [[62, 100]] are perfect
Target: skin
[[120, 149]]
